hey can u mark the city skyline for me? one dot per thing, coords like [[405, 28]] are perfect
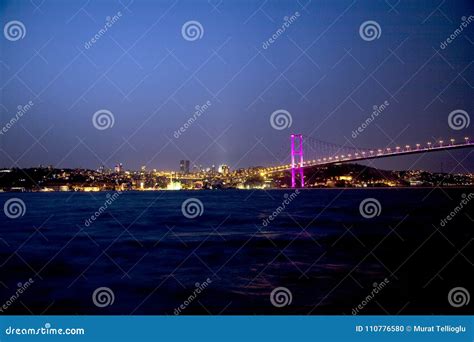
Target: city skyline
[[341, 154], [246, 158]]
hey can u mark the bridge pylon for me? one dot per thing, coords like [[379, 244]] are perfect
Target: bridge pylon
[[297, 159]]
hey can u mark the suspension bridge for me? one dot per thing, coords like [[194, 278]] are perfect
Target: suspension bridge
[[329, 153]]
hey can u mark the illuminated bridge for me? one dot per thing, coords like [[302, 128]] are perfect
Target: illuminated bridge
[[332, 153]]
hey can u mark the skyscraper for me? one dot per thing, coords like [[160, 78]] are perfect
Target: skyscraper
[[224, 169], [184, 166], [119, 168]]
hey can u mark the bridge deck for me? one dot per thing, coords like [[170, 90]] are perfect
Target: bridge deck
[[375, 155]]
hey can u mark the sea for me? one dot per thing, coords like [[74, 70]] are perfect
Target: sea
[[236, 252]]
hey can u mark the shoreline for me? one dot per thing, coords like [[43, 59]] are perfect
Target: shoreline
[[270, 189]]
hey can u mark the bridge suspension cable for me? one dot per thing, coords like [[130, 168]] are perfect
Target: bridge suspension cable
[[324, 153]]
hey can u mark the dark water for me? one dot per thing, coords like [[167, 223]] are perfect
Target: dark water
[[319, 247]]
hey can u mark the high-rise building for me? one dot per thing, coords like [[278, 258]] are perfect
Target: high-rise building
[[184, 166], [224, 169], [119, 168]]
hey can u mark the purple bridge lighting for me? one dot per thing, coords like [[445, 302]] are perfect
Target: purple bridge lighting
[[334, 154], [297, 166]]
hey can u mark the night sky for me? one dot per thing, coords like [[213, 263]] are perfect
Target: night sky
[[144, 71]]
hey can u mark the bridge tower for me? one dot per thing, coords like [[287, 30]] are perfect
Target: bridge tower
[[297, 159]]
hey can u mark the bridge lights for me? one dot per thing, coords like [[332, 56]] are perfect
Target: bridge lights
[[363, 153], [417, 146], [452, 141], [441, 142], [379, 151], [389, 149], [349, 155], [371, 152], [429, 144], [407, 147], [466, 139], [397, 148]]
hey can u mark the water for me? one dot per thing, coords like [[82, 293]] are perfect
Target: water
[[319, 247]]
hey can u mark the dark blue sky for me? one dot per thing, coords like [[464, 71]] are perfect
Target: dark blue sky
[[150, 78]]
